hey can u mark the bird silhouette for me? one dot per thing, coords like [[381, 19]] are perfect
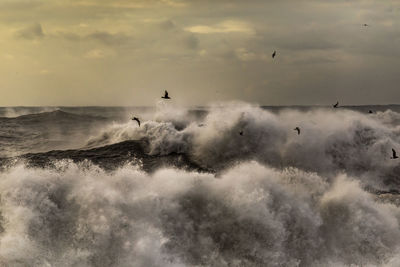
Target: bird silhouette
[[166, 95], [297, 129], [394, 154], [370, 112], [136, 119], [336, 105], [241, 132], [274, 54], [365, 25]]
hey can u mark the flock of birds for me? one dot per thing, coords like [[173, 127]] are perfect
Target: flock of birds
[[165, 96], [336, 105]]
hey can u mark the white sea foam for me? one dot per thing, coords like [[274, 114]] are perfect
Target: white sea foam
[[252, 215]]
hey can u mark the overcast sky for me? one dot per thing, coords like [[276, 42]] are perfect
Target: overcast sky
[[126, 52]]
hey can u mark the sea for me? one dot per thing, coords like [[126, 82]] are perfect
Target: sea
[[229, 184]]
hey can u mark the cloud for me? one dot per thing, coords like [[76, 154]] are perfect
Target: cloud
[[245, 55], [9, 56], [228, 26], [31, 32], [136, 4], [109, 38], [305, 43], [167, 25], [191, 42], [155, 37], [44, 72], [95, 54], [174, 3], [20, 4], [103, 37]]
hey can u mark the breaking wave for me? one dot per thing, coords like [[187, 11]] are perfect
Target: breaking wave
[[252, 215], [330, 141]]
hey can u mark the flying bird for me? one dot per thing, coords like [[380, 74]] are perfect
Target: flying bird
[[241, 132], [365, 25], [166, 95], [274, 54], [297, 129], [336, 105], [370, 112], [136, 119], [394, 154]]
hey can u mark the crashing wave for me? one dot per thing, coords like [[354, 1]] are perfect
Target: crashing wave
[[252, 215], [331, 141]]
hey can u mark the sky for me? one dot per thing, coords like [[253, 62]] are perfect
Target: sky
[[127, 52]]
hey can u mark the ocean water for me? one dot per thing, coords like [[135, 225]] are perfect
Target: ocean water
[[87, 186]]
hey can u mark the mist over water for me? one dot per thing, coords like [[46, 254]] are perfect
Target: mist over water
[[269, 197]]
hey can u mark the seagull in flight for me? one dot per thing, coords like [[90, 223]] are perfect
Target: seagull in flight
[[274, 54], [336, 105], [394, 154], [166, 95], [297, 129], [136, 119]]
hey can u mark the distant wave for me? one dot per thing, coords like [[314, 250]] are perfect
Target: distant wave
[[53, 115], [12, 112], [46, 131]]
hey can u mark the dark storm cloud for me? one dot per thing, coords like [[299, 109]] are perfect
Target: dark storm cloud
[[109, 38], [191, 41], [31, 32], [305, 42], [197, 47], [102, 37], [162, 34], [167, 25]]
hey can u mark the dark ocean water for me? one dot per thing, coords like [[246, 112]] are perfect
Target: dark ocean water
[[86, 186]]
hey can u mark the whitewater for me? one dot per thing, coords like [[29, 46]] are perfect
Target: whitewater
[[88, 187]]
